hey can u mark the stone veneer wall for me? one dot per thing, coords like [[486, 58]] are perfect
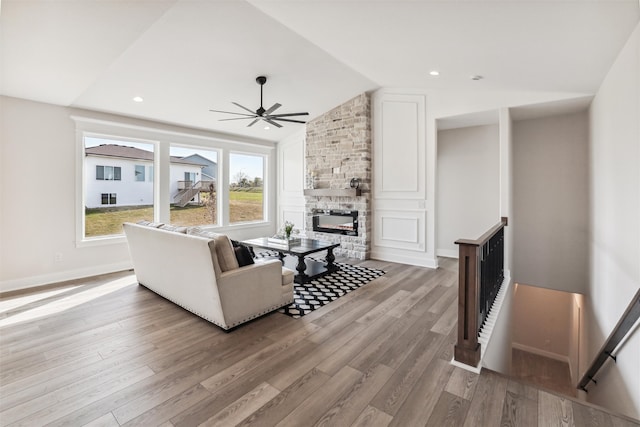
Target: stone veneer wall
[[338, 148]]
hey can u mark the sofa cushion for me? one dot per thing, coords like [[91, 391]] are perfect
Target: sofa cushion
[[150, 224], [223, 247], [175, 229], [197, 231], [243, 255], [226, 255]]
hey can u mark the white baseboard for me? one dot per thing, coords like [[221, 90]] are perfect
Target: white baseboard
[[540, 352], [448, 253], [474, 369], [422, 261], [62, 276]]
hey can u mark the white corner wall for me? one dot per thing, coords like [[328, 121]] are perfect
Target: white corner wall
[[38, 200], [468, 185], [614, 243], [550, 202]]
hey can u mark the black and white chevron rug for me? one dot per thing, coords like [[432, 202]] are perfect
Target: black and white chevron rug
[[321, 291]]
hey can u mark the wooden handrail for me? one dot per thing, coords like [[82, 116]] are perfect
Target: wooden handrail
[[472, 255], [486, 236], [624, 325]]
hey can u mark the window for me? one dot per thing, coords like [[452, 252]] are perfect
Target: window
[[108, 198], [108, 173], [190, 177], [117, 168], [119, 191], [139, 173], [246, 195], [192, 187]]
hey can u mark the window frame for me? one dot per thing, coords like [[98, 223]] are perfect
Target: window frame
[[265, 203], [163, 136], [81, 173]]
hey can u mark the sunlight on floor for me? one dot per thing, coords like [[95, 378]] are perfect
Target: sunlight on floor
[[13, 303], [67, 303]]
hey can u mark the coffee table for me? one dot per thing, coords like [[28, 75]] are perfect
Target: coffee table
[[307, 269]]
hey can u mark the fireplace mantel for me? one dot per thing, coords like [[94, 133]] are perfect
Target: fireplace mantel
[[333, 192]]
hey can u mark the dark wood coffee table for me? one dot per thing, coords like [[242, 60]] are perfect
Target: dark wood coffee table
[[307, 269]]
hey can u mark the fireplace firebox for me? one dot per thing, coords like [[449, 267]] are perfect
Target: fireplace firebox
[[335, 221]]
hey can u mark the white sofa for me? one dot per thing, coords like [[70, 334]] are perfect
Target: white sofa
[[201, 274]]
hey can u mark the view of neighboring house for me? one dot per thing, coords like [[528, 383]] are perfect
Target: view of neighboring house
[[118, 175], [210, 169]]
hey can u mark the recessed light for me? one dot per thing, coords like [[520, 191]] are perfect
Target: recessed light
[[476, 77], [137, 99], [434, 73], [267, 128]]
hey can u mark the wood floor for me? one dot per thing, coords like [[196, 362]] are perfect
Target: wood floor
[[542, 371], [107, 352]]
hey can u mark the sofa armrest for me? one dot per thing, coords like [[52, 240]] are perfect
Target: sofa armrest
[[249, 291]]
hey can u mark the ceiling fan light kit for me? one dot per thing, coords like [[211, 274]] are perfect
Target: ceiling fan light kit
[[261, 113]]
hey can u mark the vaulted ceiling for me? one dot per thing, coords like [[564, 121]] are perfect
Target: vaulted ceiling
[[185, 57]]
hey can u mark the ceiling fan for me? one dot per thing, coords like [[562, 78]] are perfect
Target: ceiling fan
[[261, 113]]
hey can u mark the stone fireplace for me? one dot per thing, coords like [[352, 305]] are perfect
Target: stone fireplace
[[338, 149]]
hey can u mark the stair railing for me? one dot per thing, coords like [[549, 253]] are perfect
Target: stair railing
[[620, 331], [480, 275], [185, 195]]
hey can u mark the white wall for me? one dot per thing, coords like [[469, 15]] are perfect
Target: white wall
[[402, 206], [497, 354], [39, 186], [468, 189], [550, 197], [542, 321], [615, 226]]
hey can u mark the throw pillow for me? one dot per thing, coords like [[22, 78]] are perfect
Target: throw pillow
[[243, 255], [236, 244], [226, 257]]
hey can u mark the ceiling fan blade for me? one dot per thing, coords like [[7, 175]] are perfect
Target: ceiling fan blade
[[272, 109], [286, 120], [244, 108], [231, 112], [237, 118], [253, 122], [271, 122], [289, 114]]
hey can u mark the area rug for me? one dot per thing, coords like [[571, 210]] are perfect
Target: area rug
[[321, 291]]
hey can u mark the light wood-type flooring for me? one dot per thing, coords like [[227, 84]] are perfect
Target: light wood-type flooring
[[542, 371], [107, 352]]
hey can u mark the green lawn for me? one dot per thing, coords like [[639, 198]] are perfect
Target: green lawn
[[243, 206]]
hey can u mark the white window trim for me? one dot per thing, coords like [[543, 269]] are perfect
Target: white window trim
[[108, 239], [163, 136], [265, 184]]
